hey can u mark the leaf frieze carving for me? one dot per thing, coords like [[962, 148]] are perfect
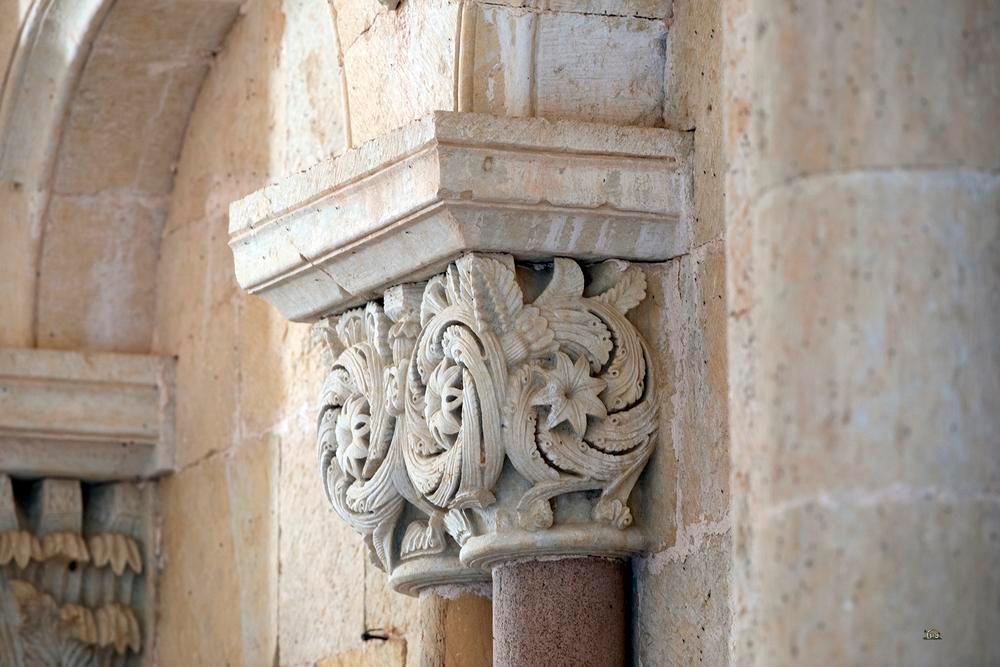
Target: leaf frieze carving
[[467, 409]]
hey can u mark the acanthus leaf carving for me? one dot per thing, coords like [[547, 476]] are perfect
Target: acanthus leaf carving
[[459, 381]]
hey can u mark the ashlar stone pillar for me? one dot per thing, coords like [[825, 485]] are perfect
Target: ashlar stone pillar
[[489, 407]]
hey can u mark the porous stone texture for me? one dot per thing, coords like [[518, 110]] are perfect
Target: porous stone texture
[[862, 209], [454, 629], [563, 613], [684, 501]]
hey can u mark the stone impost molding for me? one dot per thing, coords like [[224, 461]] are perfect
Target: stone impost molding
[[86, 415], [480, 407], [401, 207]]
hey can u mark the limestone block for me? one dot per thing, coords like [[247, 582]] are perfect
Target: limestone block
[[95, 288], [838, 362], [879, 570], [904, 89], [207, 382], [386, 610], [168, 30], [224, 156], [85, 415], [687, 592], [694, 101], [389, 653], [32, 114], [321, 560], [353, 19], [219, 576], [156, 103], [628, 54], [450, 183], [701, 385], [455, 630], [315, 107], [182, 295], [685, 488], [565, 65], [402, 68]]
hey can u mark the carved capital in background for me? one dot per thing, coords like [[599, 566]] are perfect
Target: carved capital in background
[[74, 587], [495, 412]]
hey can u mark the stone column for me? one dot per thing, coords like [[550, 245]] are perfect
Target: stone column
[[568, 612], [865, 300]]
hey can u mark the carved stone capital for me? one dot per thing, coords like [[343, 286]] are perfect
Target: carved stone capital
[[494, 412], [74, 590], [477, 410]]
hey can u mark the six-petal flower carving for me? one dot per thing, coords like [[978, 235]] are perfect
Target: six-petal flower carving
[[571, 394]]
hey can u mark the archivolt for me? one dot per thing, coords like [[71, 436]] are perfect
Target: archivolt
[[95, 103]]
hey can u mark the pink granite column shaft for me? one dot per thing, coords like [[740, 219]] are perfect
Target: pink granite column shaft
[[559, 613]]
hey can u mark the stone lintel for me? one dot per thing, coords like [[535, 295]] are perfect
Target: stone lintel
[[401, 207], [85, 415]]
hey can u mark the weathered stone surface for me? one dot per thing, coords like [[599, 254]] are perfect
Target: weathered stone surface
[[863, 284], [208, 384], [681, 605], [86, 82], [85, 415], [889, 98], [315, 108], [219, 578], [927, 263], [694, 102], [562, 65], [628, 54], [401, 68], [388, 653], [95, 287], [451, 183], [894, 570]]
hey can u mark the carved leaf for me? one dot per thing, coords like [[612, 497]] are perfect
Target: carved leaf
[[435, 299], [628, 292], [351, 327], [421, 539], [377, 330], [566, 283], [496, 297]]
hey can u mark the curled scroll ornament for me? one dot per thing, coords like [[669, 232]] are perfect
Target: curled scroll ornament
[[427, 409]]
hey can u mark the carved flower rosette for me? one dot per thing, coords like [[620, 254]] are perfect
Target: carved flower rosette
[[463, 382]]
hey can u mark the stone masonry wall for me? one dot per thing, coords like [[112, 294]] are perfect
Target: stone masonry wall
[[256, 568]]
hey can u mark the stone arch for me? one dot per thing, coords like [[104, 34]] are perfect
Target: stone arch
[[85, 198]]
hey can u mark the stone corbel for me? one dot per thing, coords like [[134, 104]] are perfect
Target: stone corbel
[[487, 401]]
